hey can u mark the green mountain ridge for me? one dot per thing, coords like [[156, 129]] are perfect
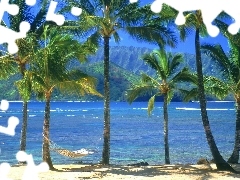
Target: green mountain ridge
[[125, 67]]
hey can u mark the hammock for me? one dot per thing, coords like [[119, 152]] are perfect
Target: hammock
[[65, 152]]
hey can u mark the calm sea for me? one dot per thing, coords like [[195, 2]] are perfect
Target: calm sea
[[135, 137]]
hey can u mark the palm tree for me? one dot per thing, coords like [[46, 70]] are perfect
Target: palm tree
[[7, 65], [168, 75], [25, 45], [105, 19], [194, 22], [230, 66], [48, 71]]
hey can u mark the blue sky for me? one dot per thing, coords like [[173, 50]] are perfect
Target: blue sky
[[187, 46]]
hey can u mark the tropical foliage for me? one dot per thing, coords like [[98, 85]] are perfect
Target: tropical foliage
[[45, 56], [169, 74], [48, 71], [194, 22], [229, 84], [103, 20]]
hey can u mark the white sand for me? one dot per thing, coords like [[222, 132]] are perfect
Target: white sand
[[169, 172]]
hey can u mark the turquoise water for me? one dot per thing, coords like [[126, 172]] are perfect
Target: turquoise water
[[135, 137]]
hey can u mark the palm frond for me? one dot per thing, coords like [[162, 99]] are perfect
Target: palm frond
[[8, 66], [161, 57], [148, 79], [216, 87], [139, 90], [174, 63], [116, 37], [216, 53], [151, 105], [81, 86], [184, 76], [150, 59], [170, 96], [188, 95], [154, 34], [24, 87]]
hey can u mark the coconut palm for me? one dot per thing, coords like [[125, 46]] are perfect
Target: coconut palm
[[229, 63], [7, 65], [169, 74], [194, 22], [49, 71], [25, 46], [104, 19]]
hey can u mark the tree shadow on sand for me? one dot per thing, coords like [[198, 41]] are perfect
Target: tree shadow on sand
[[202, 172]]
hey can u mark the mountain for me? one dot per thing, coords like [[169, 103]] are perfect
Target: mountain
[[129, 58], [125, 67]]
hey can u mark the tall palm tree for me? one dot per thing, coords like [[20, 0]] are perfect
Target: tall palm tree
[[105, 19], [49, 71], [229, 63], [25, 46], [194, 22], [169, 74]]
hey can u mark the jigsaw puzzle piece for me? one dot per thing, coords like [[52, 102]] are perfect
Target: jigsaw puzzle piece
[[9, 36], [133, 1], [4, 171], [4, 105], [31, 171], [209, 15], [12, 9], [76, 11], [12, 124], [30, 2], [156, 6], [51, 16], [232, 8]]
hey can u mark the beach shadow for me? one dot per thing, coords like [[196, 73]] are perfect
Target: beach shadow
[[101, 171]]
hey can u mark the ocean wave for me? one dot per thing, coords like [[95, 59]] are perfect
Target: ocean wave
[[209, 109], [139, 108], [31, 115]]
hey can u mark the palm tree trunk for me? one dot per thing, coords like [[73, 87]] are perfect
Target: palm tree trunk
[[106, 133], [45, 148], [235, 154], [23, 140], [165, 130], [24, 127], [220, 162]]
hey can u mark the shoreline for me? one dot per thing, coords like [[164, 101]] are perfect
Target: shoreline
[[156, 172]]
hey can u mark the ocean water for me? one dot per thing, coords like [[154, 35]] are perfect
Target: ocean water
[[135, 136]]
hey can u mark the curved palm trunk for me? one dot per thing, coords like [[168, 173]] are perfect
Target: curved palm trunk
[[24, 127], [45, 147], [220, 162], [235, 154], [106, 132], [165, 130]]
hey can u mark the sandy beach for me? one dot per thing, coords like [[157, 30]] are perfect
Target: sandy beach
[[113, 172]]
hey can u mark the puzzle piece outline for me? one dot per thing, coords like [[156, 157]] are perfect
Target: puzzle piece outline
[[59, 19], [7, 35], [209, 12], [31, 171], [12, 121]]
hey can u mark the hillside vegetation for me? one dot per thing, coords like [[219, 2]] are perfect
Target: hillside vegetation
[[125, 67]]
